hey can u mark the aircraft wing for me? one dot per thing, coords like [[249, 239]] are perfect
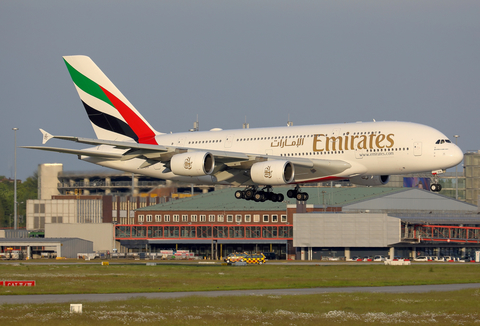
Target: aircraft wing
[[228, 164], [83, 152]]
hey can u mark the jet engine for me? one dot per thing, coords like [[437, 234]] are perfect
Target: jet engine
[[192, 164], [370, 180], [272, 172]]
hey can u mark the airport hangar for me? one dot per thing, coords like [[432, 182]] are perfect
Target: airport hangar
[[341, 222]]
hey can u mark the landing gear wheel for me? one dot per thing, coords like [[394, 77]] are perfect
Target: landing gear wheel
[[435, 187], [302, 196], [259, 196], [239, 194], [249, 193], [291, 193]]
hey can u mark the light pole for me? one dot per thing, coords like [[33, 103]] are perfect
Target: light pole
[[15, 180], [456, 168]]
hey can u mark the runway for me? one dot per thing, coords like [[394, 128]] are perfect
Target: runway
[[78, 298]]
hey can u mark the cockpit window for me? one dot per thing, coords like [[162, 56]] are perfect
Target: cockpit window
[[443, 141]]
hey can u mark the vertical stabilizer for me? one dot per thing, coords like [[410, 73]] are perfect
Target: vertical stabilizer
[[112, 116]]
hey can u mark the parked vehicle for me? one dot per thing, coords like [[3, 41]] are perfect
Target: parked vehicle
[[379, 258], [234, 257], [420, 258], [254, 259]]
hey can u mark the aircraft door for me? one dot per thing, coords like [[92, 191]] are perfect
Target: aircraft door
[[417, 148], [228, 141]]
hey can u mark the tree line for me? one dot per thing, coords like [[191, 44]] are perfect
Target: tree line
[[25, 190]]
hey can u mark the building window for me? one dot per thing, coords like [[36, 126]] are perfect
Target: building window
[[274, 218], [229, 218], [140, 218], [39, 208], [220, 218], [166, 218], [211, 218], [248, 218], [265, 218], [149, 218], [158, 218], [203, 218], [184, 218], [238, 218], [193, 218], [176, 218], [284, 218], [256, 218]]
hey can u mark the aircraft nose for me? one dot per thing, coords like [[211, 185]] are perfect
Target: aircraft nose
[[456, 155]]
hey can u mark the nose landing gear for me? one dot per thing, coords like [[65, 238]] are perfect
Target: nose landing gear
[[435, 186]]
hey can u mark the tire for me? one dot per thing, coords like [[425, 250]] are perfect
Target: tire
[[291, 193], [433, 187], [259, 196], [439, 186], [239, 194], [249, 193], [280, 197]]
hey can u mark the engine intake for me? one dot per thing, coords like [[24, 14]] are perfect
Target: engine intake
[[192, 164], [370, 180], [272, 172]]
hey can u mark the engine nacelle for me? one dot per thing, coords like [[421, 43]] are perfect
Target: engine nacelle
[[370, 180], [272, 172], [192, 164]]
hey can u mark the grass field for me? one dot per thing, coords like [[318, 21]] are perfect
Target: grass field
[[438, 308], [94, 278]]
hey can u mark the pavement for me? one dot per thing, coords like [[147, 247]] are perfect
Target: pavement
[[78, 298]]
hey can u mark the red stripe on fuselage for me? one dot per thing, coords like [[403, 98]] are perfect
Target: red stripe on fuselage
[[139, 127]]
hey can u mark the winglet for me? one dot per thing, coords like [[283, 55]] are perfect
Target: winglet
[[46, 136]]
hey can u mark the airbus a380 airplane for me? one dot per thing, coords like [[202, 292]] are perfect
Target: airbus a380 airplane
[[364, 153]]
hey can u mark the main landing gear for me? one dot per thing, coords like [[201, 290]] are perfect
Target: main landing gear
[[296, 193], [252, 193]]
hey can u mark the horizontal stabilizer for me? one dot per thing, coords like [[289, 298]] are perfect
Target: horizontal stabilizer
[[46, 136]]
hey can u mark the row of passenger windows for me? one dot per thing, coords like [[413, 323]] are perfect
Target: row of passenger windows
[[278, 137], [212, 218], [204, 141], [341, 152], [272, 138]]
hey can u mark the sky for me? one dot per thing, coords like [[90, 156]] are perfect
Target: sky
[[312, 62]]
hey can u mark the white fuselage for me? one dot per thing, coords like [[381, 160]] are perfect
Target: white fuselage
[[371, 148]]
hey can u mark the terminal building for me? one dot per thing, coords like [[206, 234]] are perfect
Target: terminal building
[[341, 222], [337, 220]]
